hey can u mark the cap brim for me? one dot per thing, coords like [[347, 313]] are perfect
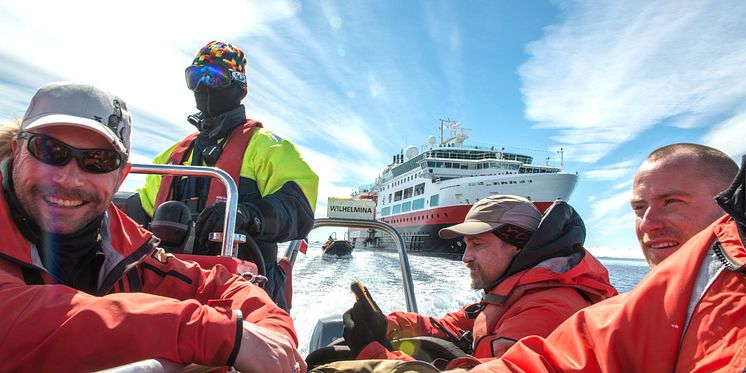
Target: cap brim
[[70, 120], [470, 228]]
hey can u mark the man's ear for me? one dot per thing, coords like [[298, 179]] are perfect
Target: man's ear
[[14, 147], [123, 174]]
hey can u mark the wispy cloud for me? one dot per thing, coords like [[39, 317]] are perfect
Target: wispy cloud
[[611, 171], [609, 71], [729, 135]]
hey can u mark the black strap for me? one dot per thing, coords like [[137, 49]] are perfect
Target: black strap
[[31, 276]]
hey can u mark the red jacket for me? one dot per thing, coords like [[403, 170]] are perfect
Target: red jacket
[[531, 302], [651, 328], [53, 327]]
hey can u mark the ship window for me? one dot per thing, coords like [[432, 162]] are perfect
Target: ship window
[[448, 165], [386, 211], [406, 206], [397, 209], [397, 196], [464, 166], [418, 204], [407, 193], [472, 166], [419, 189], [434, 200]]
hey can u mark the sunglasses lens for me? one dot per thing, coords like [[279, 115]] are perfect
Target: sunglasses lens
[[49, 150], [100, 161], [56, 153], [212, 76]]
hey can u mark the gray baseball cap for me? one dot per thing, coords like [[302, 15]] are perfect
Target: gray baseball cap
[[492, 212], [80, 105]]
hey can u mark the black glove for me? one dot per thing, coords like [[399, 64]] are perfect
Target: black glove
[[211, 220], [364, 323]]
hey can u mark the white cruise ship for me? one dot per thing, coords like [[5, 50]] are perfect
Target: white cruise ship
[[424, 190]]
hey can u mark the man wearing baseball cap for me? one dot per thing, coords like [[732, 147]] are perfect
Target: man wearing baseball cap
[[533, 269], [277, 188], [82, 286]]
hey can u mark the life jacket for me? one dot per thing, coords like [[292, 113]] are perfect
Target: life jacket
[[124, 244], [235, 147]]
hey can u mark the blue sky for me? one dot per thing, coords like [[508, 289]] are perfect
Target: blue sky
[[353, 82]]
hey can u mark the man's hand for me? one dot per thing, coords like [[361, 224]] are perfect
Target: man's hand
[[364, 322], [212, 218], [263, 350]]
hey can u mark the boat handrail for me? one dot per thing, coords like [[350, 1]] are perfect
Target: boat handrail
[[231, 198], [406, 272]]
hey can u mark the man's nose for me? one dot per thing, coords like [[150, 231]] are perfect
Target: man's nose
[[468, 256], [651, 221], [70, 175]]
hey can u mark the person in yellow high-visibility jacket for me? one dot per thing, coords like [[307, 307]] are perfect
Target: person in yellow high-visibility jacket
[[277, 188]]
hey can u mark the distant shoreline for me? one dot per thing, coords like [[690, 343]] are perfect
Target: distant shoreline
[[627, 259]]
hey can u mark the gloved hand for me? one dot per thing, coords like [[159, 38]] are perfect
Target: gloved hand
[[364, 322], [211, 220]]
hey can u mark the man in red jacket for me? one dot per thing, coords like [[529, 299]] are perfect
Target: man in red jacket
[[83, 287], [686, 316], [534, 271]]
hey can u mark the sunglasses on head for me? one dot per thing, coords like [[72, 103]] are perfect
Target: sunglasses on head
[[211, 76], [54, 152]]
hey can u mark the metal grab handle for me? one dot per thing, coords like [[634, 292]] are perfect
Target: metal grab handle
[[231, 198]]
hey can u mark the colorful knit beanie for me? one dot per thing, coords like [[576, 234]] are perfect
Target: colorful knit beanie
[[219, 53]]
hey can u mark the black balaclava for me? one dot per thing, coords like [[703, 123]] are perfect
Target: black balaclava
[[214, 102]]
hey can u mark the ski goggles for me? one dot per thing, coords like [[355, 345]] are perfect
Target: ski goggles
[[54, 152], [212, 76]]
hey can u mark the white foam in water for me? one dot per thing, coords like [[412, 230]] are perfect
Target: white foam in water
[[321, 286]]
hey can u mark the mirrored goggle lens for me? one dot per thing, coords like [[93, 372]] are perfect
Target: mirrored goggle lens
[[56, 153], [212, 76]]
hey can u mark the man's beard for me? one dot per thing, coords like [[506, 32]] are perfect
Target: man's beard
[[477, 282]]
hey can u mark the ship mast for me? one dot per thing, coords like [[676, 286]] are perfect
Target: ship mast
[[456, 132]]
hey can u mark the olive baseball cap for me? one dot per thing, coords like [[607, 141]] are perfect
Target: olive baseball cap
[[493, 212]]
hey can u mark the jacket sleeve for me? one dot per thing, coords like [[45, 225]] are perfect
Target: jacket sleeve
[[410, 324], [166, 275], [287, 186], [58, 328]]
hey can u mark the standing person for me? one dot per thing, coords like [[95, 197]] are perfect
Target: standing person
[[82, 286], [277, 189], [673, 196], [686, 316], [534, 271]]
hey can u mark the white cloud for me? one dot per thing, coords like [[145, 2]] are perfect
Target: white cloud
[[611, 171], [611, 70], [376, 89], [729, 136]]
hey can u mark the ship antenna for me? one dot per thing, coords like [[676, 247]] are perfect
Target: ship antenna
[[442, 126], [562, 159]]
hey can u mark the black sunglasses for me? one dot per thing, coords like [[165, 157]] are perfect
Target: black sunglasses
[[54, 152]]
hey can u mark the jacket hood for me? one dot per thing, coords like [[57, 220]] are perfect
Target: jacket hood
[[733, 202], [561, 232], [733, 199]]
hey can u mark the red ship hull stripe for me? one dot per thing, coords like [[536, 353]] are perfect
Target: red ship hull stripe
[[441, 215]]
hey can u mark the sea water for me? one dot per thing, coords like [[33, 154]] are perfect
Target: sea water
[[321, 285]]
